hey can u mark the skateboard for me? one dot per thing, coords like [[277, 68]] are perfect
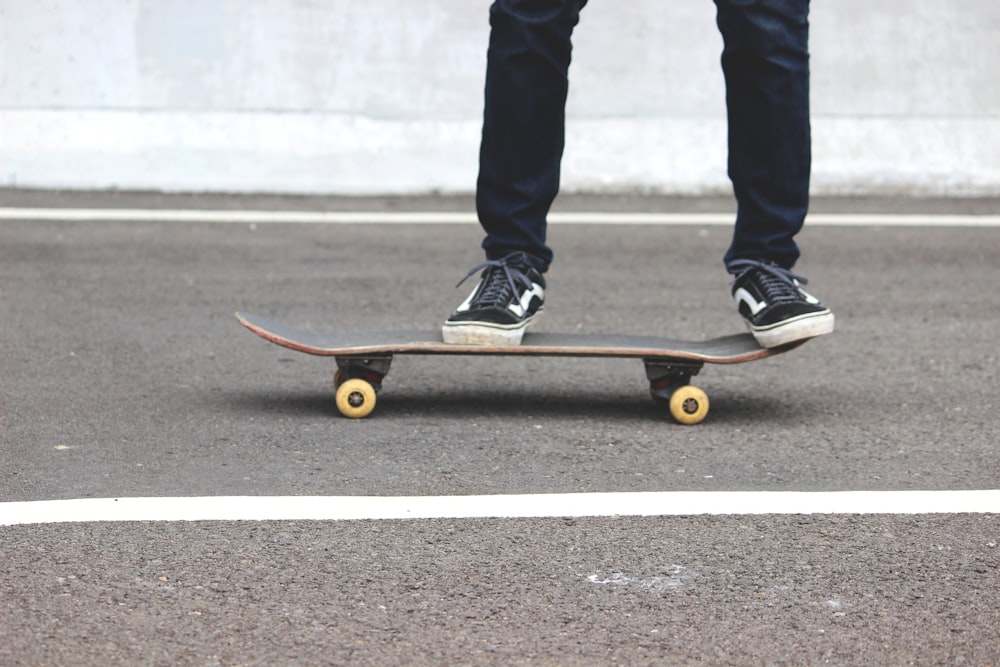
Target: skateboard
[[363, 358]]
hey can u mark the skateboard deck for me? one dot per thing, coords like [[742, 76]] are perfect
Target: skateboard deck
[[363, 358]]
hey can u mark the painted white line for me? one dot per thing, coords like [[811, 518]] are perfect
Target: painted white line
[[233, 216], [902, 220], [353, 508], [423, 218]]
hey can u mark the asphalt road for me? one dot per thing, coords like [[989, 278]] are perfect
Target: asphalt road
[[124, 373]]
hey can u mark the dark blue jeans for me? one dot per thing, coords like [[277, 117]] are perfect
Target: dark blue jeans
[[765, 61]]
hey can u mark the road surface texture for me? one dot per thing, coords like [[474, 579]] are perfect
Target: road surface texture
[[125, 374]]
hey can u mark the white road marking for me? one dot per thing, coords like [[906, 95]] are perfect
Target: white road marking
[[355, 508], [422, 218]]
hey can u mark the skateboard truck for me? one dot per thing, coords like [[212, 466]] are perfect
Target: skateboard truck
[[670, 383], [357, 380]]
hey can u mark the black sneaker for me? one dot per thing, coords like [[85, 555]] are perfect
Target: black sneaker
[[776, 308], [507, 300]]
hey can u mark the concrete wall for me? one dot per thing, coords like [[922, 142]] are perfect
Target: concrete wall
[[385, 96]]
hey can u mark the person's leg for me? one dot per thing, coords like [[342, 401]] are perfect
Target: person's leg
[[766, 65], [524, 123], [527, 67]]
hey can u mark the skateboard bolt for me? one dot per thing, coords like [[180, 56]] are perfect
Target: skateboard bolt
[[690, 406], [356, 399]]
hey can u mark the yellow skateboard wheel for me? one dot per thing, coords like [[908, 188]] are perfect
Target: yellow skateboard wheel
[[355, 398], [689, 405]]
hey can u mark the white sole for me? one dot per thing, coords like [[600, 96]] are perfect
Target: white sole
[[473, 333], [802, 328]]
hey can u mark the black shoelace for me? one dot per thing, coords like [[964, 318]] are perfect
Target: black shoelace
[[499, 282], [779, 283]]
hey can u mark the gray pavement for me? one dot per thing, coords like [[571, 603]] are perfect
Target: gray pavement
[[124, 373]]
